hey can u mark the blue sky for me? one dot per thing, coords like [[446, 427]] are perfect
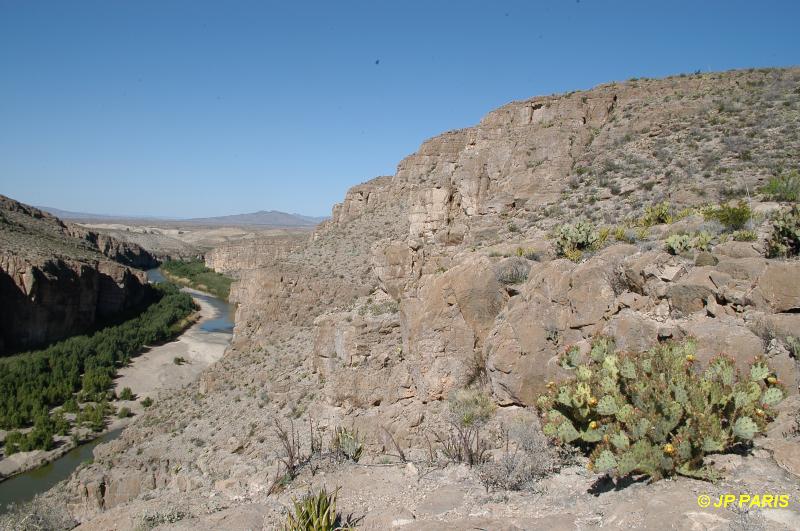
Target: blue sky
[[195, 108]]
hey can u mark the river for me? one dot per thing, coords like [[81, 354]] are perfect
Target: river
[[25, 486]]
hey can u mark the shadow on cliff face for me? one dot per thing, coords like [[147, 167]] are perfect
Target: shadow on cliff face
[[58, 301]]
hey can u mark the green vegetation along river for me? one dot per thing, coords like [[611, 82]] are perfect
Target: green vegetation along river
[[214, 328]]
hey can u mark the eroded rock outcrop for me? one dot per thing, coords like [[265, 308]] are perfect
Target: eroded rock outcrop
[[58, 279], [444, 276]]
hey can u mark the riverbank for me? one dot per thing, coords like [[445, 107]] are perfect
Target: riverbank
[[149, 374]]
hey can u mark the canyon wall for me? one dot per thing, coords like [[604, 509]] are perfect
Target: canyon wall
[[58, 279], [446, 276]]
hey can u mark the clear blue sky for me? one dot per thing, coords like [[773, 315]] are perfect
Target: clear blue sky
[[195, 108]]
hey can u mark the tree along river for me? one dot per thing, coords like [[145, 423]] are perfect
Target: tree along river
[[25, 486]]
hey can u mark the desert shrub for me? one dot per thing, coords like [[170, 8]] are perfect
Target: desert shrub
[[733, 217], [316, 512], [468, 411], [347, 444], [38, 513], [653, 413], [702, 241], [529, 254], [513, 270], [619, 234], [785, 187], [527, 457], [126, 394], [571, 240], [785, 238], [656, 214], [123, 413], [147, 402], [678, 243], [468, 407], [178, 360], [745, 235], [793, 344]]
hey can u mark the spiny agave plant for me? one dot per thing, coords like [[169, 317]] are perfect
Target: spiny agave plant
[[655, 413], [316, 512]]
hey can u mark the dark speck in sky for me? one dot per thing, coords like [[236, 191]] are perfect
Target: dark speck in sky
[[377, 61]]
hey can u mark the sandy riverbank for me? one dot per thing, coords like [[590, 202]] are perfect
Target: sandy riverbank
[[149, 374], [155, 370]]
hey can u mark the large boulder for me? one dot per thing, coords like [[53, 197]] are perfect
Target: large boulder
[[562, 303], [632, 331], [445, 323], [778, 287], [396, 265]]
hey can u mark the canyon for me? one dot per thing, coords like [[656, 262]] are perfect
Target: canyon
[[448, 276], [58, 279]]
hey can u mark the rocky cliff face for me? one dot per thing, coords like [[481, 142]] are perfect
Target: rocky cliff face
[[246, 255], [445, 276], [58, 279]]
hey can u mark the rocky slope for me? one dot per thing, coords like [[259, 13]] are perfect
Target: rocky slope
[[58, 279], [445, 276]]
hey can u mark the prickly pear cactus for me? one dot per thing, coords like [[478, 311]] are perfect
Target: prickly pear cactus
[[582, 235], [785, 238], [656, 413]]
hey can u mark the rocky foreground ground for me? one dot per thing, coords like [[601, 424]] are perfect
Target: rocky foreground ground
[[448, 276]]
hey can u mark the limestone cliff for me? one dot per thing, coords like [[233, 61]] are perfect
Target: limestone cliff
[[445, 276], [58, 279]]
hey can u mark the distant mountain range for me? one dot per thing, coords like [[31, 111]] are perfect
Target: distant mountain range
[[262, 218]]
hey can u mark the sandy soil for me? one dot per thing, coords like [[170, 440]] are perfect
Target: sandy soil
[[152, 372], [155, 370]]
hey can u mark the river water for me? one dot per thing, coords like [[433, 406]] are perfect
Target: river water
[[25, 486]]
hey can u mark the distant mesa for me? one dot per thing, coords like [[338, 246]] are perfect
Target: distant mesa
[[262, 218]]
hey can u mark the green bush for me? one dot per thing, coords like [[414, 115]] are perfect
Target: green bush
[[39, 438], [653, 413], [316, 512], [147, 402], [126, 394], [785, 238], [123, 413], [678, 243], [733, 217], [783, 188], [745, 235], [656, 214], [94, 415], [197, 275], [44, 379]]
